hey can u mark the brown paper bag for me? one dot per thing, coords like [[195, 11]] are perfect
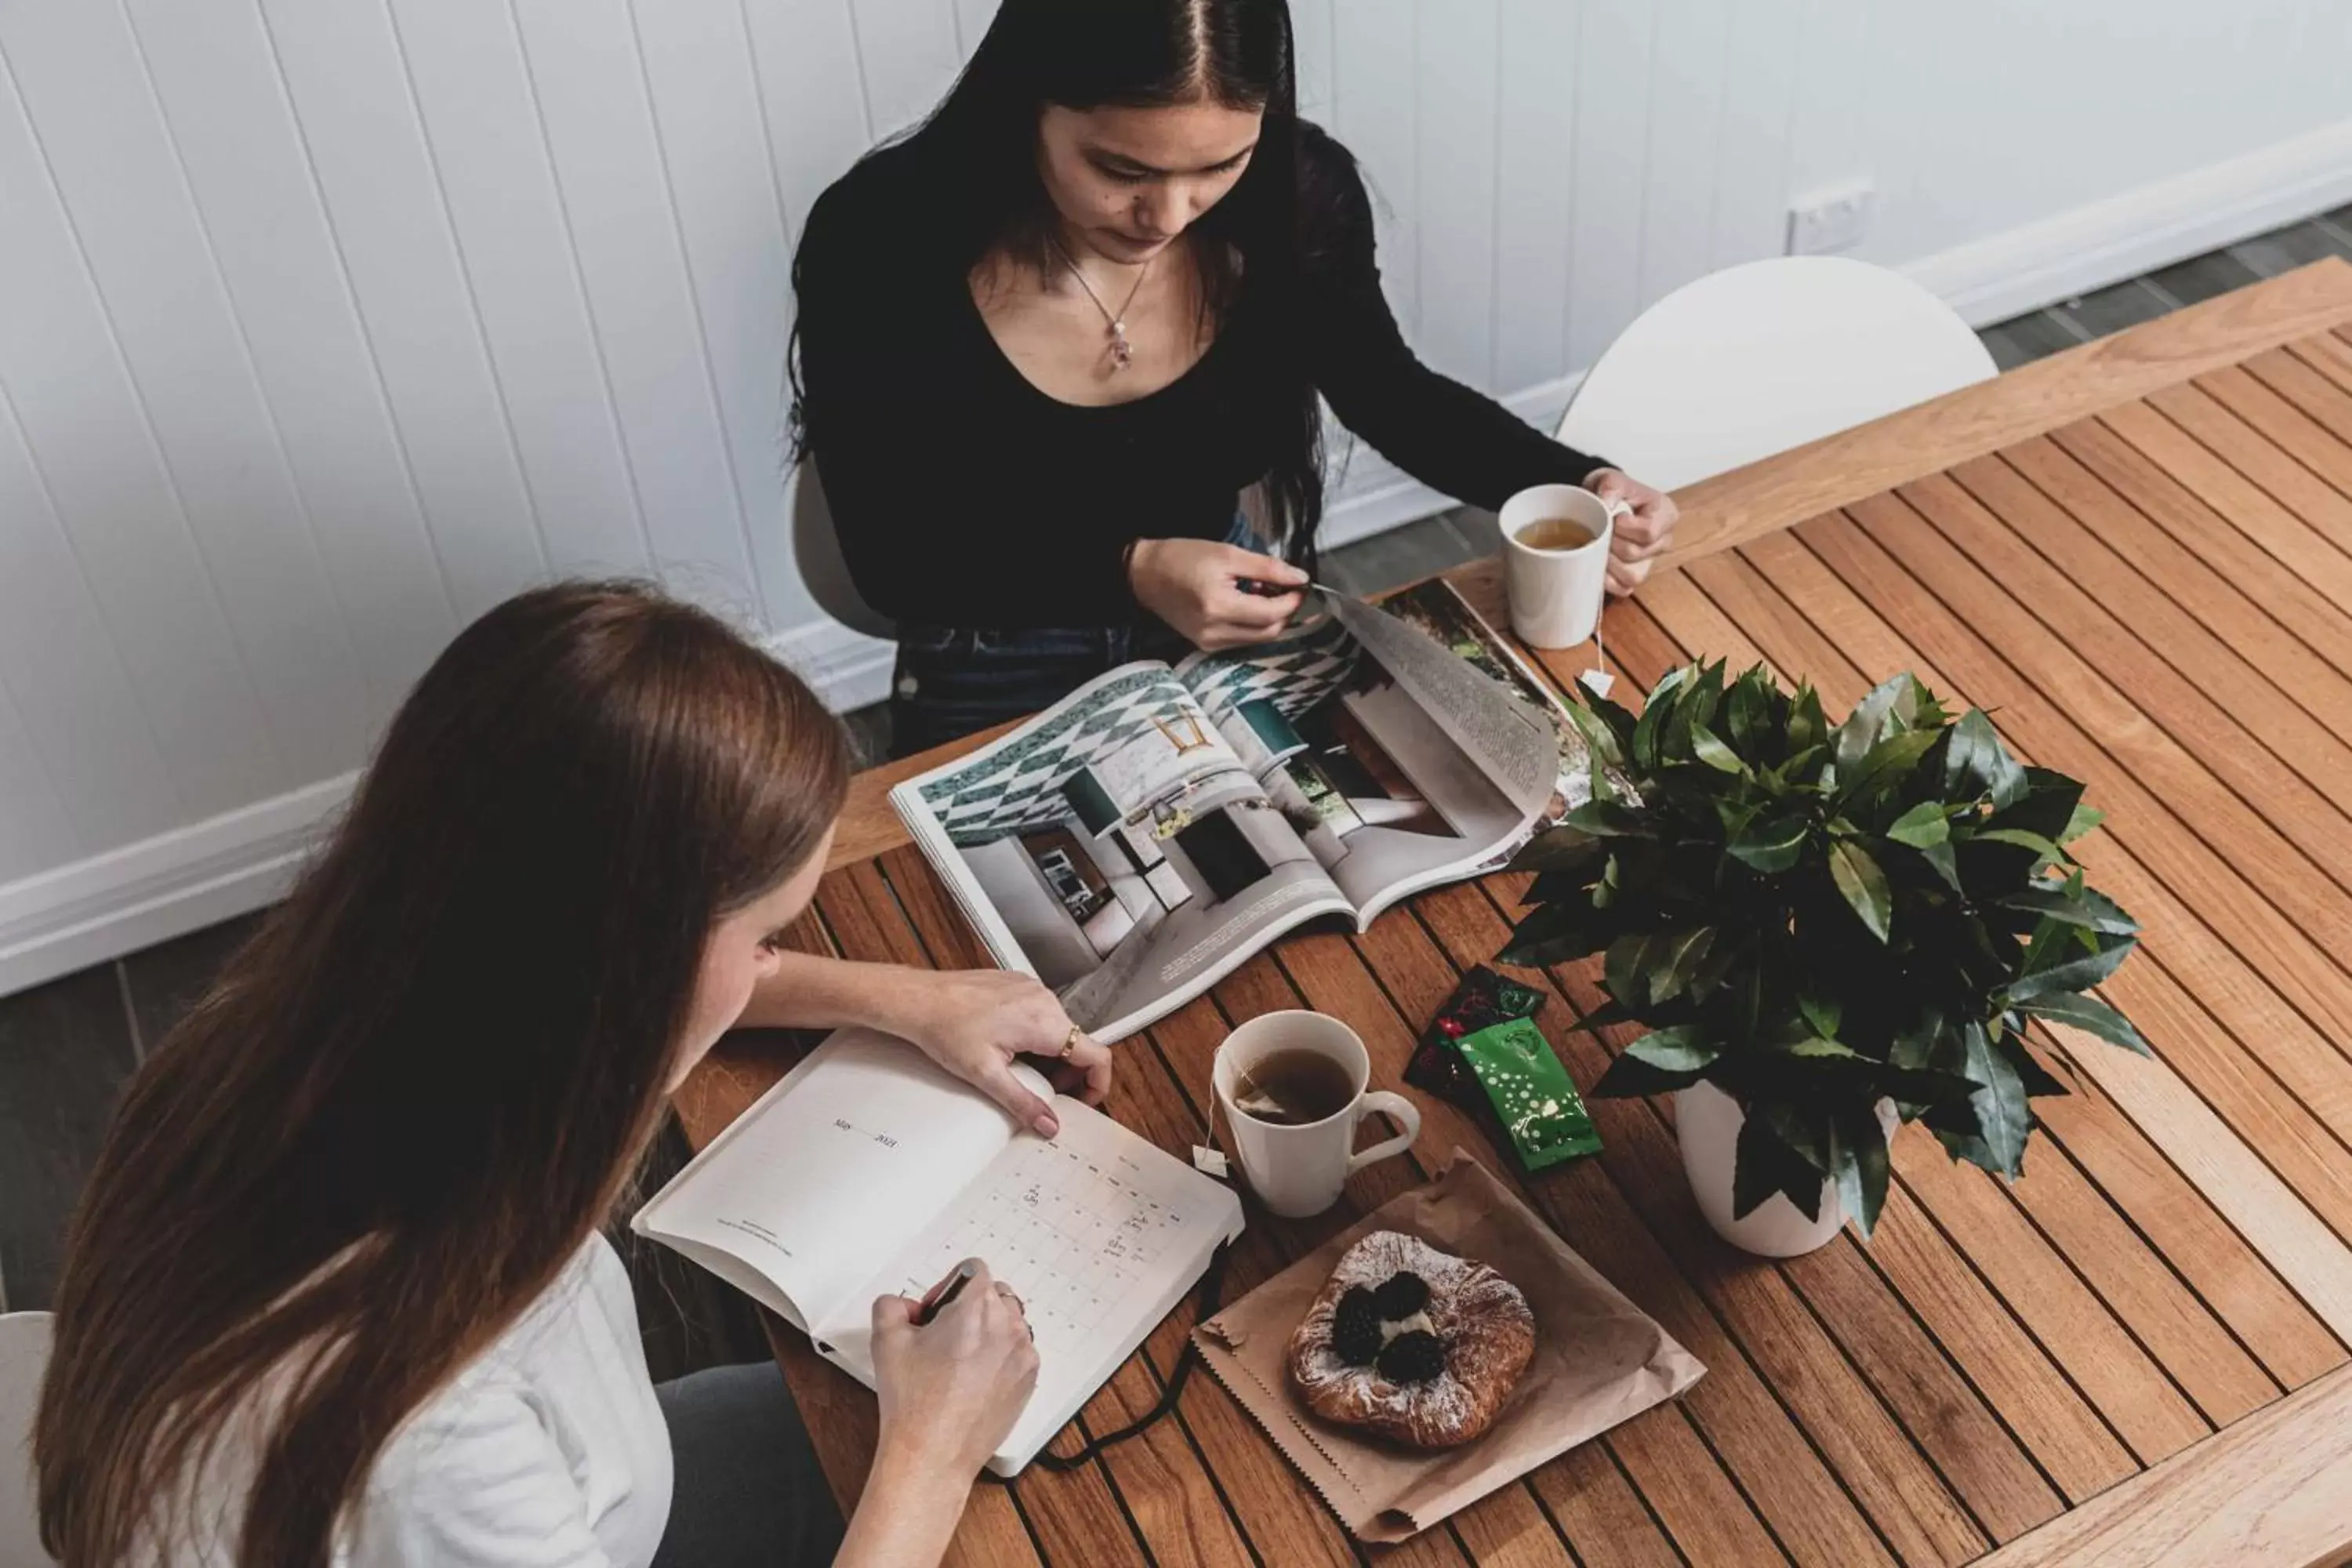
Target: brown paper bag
[[1598, 1360]]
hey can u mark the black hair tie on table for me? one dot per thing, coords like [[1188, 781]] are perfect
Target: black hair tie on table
[[1211, 1287]]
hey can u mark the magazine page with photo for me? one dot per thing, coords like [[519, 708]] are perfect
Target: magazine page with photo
[[1402, 765], [1117, 848], [1133, 843], [1439, 612]]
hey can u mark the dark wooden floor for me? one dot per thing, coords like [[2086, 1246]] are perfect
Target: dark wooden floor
[[66, 1047]]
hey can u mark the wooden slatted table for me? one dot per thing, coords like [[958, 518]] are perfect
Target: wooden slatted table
[[2140, 555]]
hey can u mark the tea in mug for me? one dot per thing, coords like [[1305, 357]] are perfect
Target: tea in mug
[[1555, 533]]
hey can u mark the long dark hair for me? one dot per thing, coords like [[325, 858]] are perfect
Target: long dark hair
[[977, 154], [425, 1082]]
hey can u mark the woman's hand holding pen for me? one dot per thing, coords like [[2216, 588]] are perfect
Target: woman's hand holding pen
[[951, 1387], [1195, 585]]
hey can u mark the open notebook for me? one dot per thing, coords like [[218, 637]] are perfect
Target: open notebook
[[868, 1171]]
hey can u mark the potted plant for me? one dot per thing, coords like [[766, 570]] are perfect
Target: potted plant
[[1826, 929]]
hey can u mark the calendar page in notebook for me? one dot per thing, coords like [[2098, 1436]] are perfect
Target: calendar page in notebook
[[1094, 1230]]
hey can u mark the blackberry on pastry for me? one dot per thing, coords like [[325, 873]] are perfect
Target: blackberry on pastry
[[1412, 1343]]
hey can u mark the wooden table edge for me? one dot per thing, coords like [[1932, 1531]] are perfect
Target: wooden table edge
[[1837, 470], [1779, 491], [2275, 1488]]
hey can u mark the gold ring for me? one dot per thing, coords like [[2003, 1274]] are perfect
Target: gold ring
[[1070, 1041]]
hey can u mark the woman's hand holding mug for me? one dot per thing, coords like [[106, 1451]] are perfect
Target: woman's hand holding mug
[[1640, 535]]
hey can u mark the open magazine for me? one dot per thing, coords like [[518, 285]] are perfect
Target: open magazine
[[1135, 842]]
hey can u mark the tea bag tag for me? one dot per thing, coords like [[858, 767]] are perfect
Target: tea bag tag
[[1597, 681], [1210, 1160]]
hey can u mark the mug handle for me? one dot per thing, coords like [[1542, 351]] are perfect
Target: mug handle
[[1400, 1108]]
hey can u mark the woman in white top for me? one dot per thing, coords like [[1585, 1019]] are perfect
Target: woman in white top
[[336, 1292]]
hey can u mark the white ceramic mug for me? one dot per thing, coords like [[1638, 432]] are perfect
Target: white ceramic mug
[[1556, 594], [1298, 1170]]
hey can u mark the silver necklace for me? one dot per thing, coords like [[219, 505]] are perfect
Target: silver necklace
[[1122, 353]]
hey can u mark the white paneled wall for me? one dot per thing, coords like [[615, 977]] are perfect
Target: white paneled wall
[[325, 325]]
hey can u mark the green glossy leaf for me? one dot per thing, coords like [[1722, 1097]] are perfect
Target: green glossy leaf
[[1925, 1042], [2047, 805], [1977, 762], [1770, 845], [1823, 1013], [1556, 933], [1886, 762], [1749, 714], [1676, 961], [1629, 1077], [2038, 1081], [1805, 1129], [1626, 971], [1556, 848], [1858, 1162], [1709, 748], [1868, 722], [2081, 907], [1923, 826], [2078, 972], [1864, 884], [1763, 1165], [1598, 740], [1807, 726], [1657, 711], [1818, 1049], [1940, 857], [2084, 818], [2018, 837], [2089, 1015], [1685, 1047], [1607, 819], [2002, 1117]]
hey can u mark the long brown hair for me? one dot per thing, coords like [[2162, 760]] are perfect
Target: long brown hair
[[432, 1068]]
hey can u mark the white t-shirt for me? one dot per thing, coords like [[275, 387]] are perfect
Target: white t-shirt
[[548, 1451]]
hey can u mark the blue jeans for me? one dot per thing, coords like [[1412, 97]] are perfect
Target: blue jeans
[[952, 680], [747, 1488]]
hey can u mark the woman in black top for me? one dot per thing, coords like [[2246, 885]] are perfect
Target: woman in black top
[[1047, 338]]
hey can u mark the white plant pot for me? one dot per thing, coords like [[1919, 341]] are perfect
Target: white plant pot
[[1707, 1123]]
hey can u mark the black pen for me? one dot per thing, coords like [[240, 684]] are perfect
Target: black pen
[[945, 1291]]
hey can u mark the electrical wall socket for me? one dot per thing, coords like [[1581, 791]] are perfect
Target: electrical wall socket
[[1834, 218]]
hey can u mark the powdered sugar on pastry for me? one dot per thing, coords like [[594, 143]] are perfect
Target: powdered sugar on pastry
[[1477, 1316]]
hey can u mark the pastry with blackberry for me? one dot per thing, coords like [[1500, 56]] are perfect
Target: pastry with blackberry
[[1413, 1343]]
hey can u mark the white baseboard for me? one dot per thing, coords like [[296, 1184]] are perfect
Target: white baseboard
[[99, 909], [2024, 268], [848, 668], [167, 886]]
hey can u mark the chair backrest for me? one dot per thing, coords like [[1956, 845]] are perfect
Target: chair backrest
[[24, 1355], [816, 547], [1756, 359]]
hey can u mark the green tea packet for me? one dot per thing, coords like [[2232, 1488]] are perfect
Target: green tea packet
[[1531, 1092]]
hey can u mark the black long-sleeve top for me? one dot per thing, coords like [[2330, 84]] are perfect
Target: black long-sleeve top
[[965, 496]]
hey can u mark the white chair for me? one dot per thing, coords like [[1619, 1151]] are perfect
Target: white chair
[[816, 547], [1756, 359], [24, 1354]]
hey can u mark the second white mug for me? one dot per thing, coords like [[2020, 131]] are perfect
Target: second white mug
[[1297, 1170], [1556, 594]]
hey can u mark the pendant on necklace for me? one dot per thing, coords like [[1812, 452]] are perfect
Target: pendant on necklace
[[1122, 353]]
